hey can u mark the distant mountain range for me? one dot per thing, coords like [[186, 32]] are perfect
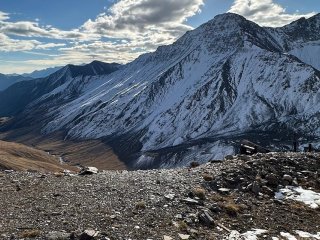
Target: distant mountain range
[[15, 98], [42, 73], [190, 101], [7, 80]]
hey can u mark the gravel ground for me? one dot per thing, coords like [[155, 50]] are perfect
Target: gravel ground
[[210, 201]]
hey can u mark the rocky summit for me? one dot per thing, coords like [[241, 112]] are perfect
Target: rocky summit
[[264, 196]]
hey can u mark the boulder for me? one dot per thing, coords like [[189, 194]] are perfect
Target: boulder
[[206, 219], [88, 171]]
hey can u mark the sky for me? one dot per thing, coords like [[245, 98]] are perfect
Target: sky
[[37, 34]]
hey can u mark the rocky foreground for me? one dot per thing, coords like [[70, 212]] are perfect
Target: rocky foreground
[[271, 196]]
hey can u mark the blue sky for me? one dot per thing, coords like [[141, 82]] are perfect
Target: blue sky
[[36, 34]]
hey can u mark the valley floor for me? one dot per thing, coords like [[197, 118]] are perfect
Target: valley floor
[[218, 200], [85, 153]]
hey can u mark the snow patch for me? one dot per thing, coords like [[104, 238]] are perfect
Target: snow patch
[[288, 236], [253, 235], [308, 235], [308, 197]]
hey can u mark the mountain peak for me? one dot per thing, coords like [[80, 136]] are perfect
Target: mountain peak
[[229, 16], [306, 29], [91, 69]]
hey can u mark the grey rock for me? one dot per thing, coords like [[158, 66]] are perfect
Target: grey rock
[[89, 235], [190, 201], [224, 191], [272, 179], [184, 236], [167, 238], [55, 235], [267, 190], [228, 157], [215, 208], [255, 188], [287, 178], [170, 196], [88, 171], [206, 219]]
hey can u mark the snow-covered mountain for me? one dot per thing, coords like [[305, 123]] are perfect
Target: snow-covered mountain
[[192, 100], [8, 80], [42, 73], [16, 98]]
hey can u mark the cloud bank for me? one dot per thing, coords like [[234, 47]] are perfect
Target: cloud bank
[[125, 30], [266, 12]]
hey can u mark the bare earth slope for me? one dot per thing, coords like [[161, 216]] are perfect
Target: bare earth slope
[[218, 200], [18, 157]]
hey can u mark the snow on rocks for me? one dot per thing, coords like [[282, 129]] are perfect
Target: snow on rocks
[[303, 234], [253, 235], [288, 236], [249, 235], [308, 197]]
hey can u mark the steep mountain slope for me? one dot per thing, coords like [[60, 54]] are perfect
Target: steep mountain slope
[[301, 39], [14, 99], [226, 80], [7, 80]]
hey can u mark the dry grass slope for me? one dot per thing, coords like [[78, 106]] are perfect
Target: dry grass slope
[[87, 153], [19, 157]]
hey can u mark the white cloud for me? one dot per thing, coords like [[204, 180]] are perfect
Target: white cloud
[[156, 22], [266, 12], [4, 16], [49, 45], [134, 27], [17, 45], [33, 29], [12, 45]]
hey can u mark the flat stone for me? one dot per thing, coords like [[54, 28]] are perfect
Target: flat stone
[[224, 190], [167, 238], [190, 201], [184, 236]]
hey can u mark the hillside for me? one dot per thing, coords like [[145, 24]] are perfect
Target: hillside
[[271, 196], [92, 153], [18, 157]]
